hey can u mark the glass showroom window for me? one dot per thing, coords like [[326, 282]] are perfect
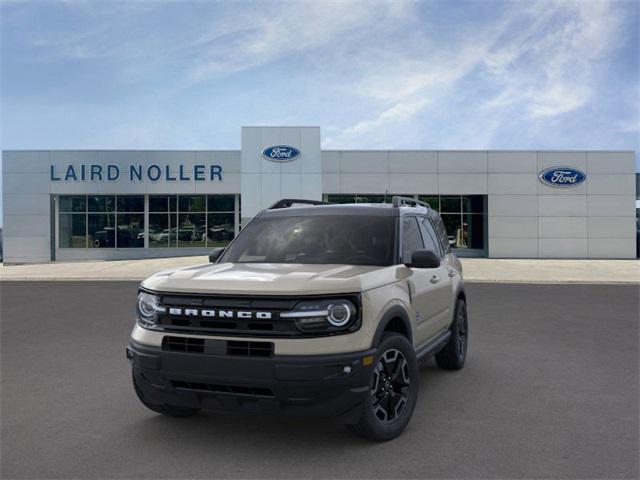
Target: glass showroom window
[[162, 221], [192, 225], [464, 217], [101, 221], [340, 198], [191, 220], [221, 219], [130, 221], [360, 198], [72, 222]]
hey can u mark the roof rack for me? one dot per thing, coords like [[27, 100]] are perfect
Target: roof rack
[[407, 201], [289, 202]]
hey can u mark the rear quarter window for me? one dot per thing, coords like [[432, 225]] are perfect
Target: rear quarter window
[[442, 233]]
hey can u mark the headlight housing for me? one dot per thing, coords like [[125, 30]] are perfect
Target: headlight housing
[[324, 316], [148, 309]]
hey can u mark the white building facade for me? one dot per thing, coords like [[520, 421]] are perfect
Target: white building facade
[[111, 204]]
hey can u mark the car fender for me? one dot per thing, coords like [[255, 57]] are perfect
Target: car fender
[[394, 311]]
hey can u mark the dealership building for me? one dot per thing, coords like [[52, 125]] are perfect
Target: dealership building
[[69, 205]]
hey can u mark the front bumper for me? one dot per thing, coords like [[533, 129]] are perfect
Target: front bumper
[[314, 385]]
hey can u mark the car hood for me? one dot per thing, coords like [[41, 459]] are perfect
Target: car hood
[[271, 279]]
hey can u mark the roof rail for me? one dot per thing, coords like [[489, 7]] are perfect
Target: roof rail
[[289, 202], [397, 201]]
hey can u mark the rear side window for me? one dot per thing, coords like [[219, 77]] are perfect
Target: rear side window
[[442, 233], [431, 239], [411, 238]]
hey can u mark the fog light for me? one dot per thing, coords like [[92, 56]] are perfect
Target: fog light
[[368, 360]]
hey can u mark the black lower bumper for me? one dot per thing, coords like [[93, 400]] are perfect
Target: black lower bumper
[[314, 385]]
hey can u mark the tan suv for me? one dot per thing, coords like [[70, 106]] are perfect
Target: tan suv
[[313, 309]]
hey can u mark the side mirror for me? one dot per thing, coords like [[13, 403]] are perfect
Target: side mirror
[[424, 259], [215, 254]]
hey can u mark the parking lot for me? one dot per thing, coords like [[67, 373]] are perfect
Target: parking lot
[[550, 390]]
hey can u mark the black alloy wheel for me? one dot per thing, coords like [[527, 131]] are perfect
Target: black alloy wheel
[[461, 340], [393, 391], [390, 389], [454, 353]]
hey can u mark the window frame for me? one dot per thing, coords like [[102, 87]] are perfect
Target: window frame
[[402, 235], [426, 223]]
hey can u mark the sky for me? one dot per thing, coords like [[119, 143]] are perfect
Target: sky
[[374, 74]]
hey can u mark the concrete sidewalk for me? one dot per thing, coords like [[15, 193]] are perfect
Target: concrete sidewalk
[[475, 270], [551, 271]]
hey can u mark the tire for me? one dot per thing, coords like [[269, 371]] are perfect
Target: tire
[[389, 407], [164, 409], [454, 353]]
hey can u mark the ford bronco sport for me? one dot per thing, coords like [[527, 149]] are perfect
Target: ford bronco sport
[[313, 309]]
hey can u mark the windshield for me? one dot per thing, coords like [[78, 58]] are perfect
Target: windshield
[[319, 239]]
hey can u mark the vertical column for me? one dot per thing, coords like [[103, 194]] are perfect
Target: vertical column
[[236, 214], [266, 179], [146, 221], [53, 229]]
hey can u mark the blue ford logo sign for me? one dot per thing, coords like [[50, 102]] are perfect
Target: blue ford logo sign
[[562, 177], [281, 153]]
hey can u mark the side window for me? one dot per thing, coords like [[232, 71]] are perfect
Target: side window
[[442, 233], [411, 238], [431, 240]]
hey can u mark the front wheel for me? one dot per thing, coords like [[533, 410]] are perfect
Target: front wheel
[[393, 390], [454, 354]]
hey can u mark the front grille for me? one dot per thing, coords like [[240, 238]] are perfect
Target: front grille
[[217, 347], [250, 349], [263, 312], [224, 389], [274, 326], [183, 344]]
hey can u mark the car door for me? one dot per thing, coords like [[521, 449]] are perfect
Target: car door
[[428, 286], [445, 285]]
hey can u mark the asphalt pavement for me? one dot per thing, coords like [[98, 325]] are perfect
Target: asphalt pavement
[[550, 390]]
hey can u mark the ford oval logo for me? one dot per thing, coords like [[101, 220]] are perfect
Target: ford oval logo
[[281, 153], [562, 177]]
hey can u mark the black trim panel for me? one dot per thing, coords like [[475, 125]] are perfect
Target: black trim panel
[[433, 346], [310, 385]]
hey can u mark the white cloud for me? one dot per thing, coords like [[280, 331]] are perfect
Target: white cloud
[[400, 112], [539, 60], [373, 73], [231, 37], [261, 37], [566, 58]]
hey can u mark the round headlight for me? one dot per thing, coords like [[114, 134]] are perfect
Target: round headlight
[[339, 314], [148, 307]]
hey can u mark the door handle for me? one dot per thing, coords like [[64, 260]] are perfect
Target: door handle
[[435, 279], [452, 273]]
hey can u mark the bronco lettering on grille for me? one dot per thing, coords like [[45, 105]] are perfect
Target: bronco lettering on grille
[[193, 312]]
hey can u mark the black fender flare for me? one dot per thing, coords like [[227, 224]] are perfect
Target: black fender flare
[[395, 311], [460, 294]]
